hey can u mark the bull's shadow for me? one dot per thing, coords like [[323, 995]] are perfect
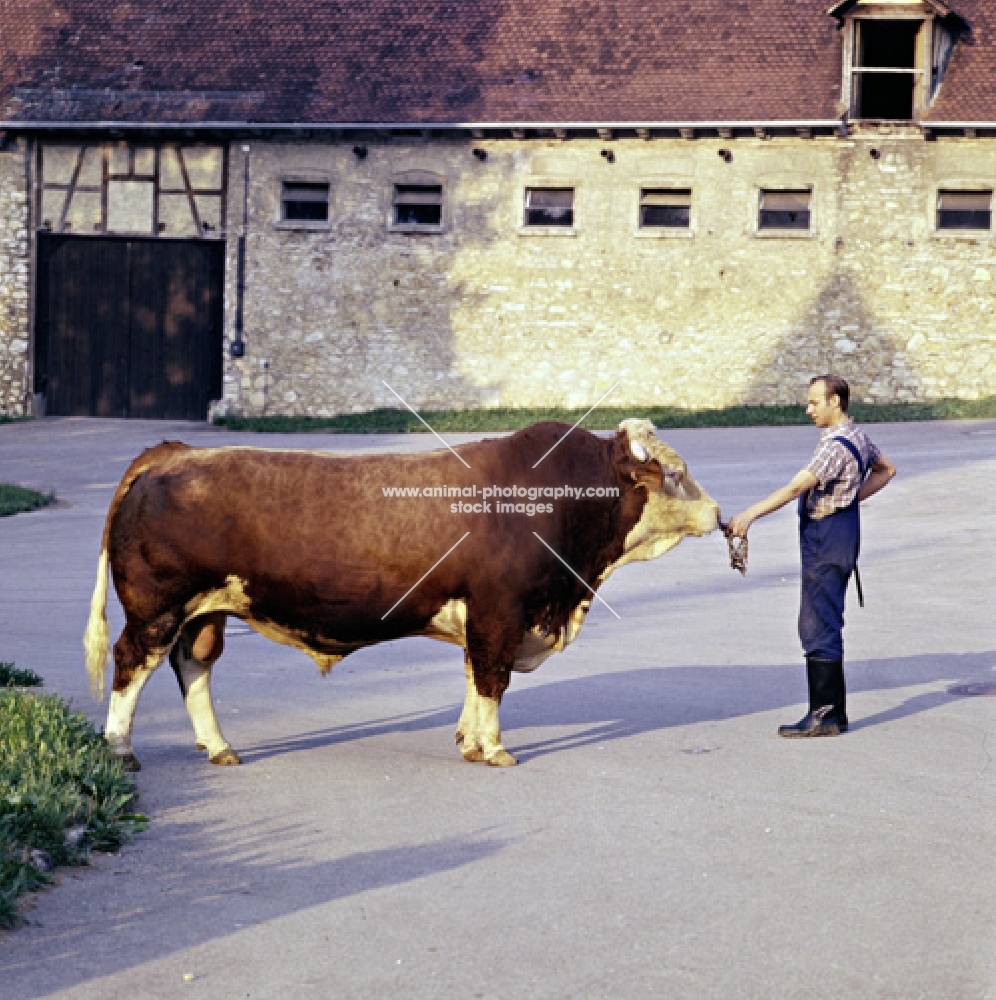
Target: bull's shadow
[[624, 703]]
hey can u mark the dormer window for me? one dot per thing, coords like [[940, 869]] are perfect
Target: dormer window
[[885, 72], [895, 55]]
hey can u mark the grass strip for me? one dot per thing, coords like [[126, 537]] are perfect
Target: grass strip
[[18, 499], [63, 793], [400, 421], [11, 676]]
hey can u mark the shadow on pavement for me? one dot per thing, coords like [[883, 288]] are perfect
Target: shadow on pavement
[[193, 904], [620, 704]]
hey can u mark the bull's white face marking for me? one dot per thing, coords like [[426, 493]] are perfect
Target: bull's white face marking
[[661, 527], [638, 451]]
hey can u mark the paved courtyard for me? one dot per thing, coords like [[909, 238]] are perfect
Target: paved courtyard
[[657, 839]]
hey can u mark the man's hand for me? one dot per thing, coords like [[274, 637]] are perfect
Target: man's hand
[[740, 523], [801, 481]]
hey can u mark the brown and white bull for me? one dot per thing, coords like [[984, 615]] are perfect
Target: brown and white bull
[[306, 548]]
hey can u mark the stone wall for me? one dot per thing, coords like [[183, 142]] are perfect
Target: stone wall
[[485, 313], [14, 281]]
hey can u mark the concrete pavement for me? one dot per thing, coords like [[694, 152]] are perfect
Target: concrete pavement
[[658, 839]]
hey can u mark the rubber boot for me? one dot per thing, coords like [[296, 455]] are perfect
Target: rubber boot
[[826, 715]]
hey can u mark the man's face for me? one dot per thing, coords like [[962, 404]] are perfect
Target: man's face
[[822, 411]]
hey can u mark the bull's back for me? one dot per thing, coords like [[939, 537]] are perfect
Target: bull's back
[[308, 536]]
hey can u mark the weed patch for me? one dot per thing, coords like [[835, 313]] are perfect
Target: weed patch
[[10, 676], [63, 793], [17, 499]]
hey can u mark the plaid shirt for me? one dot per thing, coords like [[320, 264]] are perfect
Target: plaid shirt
[[836, 469]]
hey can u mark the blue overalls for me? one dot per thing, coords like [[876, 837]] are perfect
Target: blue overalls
[[829, 551]]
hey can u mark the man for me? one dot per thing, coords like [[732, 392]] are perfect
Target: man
[[845, 469]]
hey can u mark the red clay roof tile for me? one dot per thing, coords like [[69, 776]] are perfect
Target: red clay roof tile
[[446, 61]]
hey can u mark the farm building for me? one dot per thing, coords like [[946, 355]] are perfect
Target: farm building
[[297, 208]]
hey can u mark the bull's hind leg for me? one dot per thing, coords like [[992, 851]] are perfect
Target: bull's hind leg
[[194, 654], [134, 663], [478, 733]]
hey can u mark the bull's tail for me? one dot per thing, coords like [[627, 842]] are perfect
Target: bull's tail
[[96, 639]]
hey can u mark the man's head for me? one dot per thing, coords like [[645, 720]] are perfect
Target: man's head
[[827, 400]]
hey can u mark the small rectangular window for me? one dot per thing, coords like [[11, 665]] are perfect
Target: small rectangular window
[[964, 209], [549, 207], [305, 202], [667, 208], [784, 210], [418, 205]]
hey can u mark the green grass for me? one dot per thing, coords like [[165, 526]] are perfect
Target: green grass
[[56, 773], [10, 676], [399, 421], [17, 499]]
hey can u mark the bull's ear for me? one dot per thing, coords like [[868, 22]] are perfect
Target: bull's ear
[[635, 464]]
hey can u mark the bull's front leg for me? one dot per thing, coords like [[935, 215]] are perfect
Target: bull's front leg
[[478, 733]]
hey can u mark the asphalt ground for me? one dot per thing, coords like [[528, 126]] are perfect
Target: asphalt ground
[[657, 840]]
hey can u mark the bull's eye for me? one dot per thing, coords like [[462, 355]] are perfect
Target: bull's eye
[[638, 451]]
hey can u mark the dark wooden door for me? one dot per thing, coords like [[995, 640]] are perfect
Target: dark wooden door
[[129, 327]]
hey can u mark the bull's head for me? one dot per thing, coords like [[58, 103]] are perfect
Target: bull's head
[[676, 506]]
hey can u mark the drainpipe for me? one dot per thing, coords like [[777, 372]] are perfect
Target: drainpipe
[[238, 346]]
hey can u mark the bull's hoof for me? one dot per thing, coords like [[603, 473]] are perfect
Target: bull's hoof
[[130, 762], [199, 746], [226, 758], [471, 751], [501, 758]]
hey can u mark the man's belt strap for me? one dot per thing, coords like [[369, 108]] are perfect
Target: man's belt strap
[[862, 472]]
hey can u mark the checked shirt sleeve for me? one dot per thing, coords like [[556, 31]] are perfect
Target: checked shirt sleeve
[[828, 461]]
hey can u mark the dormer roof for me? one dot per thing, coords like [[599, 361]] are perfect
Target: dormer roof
[[846, 7]]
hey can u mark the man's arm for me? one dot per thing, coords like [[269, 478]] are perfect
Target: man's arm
[[800, 482], [882, 471]]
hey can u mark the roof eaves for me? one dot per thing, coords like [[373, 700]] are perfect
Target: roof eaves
[[27, 125]]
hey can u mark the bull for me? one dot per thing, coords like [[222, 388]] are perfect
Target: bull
[[306, 548]]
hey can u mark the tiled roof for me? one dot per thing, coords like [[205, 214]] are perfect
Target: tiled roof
[[444, 61]]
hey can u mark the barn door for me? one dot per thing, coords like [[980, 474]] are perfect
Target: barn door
[[129, 327]]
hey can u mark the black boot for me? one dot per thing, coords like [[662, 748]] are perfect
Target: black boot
[[827, 714]]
